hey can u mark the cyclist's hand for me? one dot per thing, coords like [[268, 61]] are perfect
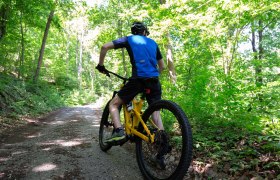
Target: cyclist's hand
[[102, 69]]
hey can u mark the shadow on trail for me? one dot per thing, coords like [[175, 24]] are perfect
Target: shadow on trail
[[64, 145]]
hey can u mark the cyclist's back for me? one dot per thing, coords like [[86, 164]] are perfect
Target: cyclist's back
[[144, 54]]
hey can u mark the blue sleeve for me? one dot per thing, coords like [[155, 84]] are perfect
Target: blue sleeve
[[120, 43], [159, 56]]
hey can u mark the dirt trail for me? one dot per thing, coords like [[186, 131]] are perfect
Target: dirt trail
[[64, 145]]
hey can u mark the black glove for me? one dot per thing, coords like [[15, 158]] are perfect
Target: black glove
[[102, 69]]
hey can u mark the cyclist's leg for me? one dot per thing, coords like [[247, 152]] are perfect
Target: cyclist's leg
[[157, 119], [118, 132], [114, 105], [153, 96], [124, 96]]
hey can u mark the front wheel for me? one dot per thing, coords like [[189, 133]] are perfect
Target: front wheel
[[106, 129], [169, 157]]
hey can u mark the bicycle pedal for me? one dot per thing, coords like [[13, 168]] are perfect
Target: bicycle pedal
[[118, 143]]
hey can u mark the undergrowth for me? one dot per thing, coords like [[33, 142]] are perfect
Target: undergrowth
[[26, 99], [231, 149]]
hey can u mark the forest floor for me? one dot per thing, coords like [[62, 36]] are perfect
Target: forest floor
[[64, 145]]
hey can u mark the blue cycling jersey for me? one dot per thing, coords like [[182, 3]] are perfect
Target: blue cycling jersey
[[143, 52]]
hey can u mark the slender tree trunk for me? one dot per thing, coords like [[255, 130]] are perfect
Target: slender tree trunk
[[21, 61], [254, 44], [258, 55], [80, 60], [226, 58], [229, 53], [91, 73], [77, 51], [169, 55], [123, 57], [40, 60], [67, 53], [259, 79], [170, 63], [4, 9]]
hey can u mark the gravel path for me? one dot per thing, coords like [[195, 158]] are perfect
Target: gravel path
[[64, 145]]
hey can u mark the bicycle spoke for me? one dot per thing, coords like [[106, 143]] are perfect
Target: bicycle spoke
[[170, 155]]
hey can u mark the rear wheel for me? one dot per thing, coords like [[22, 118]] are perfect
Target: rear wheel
[[174, 146]]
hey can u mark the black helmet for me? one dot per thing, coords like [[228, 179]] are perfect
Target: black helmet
[[139, 28]]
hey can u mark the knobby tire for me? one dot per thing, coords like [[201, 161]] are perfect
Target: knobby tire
[[179, 159], [106, 129]]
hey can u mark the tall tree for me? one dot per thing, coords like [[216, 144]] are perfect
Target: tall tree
[[4, 9], [80, 56], [169, 55], [21, 56], [42, 50], [258, 51], [120, 32]]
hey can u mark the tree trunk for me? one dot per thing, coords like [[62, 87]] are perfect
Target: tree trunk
[[170, 64], [230, 50], [21, 60], [258, 54], [77, 51], [80, 60], [169, 56], [4, 9], [254, 44], [259, 79], [91, 73], [123, 57], [67, 53], [40, 60]]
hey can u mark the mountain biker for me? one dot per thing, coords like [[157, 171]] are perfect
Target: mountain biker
[[147, 64]]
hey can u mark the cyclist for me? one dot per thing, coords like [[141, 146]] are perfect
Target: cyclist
[[147, 64]]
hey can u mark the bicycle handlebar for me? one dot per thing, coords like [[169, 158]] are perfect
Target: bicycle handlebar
[[110, 72]]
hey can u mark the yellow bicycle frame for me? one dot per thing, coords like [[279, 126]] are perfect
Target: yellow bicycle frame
[[133, 118]]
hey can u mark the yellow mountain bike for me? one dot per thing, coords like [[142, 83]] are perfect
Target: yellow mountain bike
[[174, 143]]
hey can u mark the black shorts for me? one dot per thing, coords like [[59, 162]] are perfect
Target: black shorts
[[138, 85]]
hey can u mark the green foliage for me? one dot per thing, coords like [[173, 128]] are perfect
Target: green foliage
[[78, 97], [234, 116], [67, 82], [20, 98]]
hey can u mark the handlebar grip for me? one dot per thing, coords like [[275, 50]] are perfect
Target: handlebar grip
[[107, 73]]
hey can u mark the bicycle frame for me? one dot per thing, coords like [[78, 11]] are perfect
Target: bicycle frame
[[133, 117]]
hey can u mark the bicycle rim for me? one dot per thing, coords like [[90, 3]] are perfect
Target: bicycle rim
[[106, 129], [178, 129]]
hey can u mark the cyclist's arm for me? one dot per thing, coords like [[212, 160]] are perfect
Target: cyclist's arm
[[161, 65], [103, 52]]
